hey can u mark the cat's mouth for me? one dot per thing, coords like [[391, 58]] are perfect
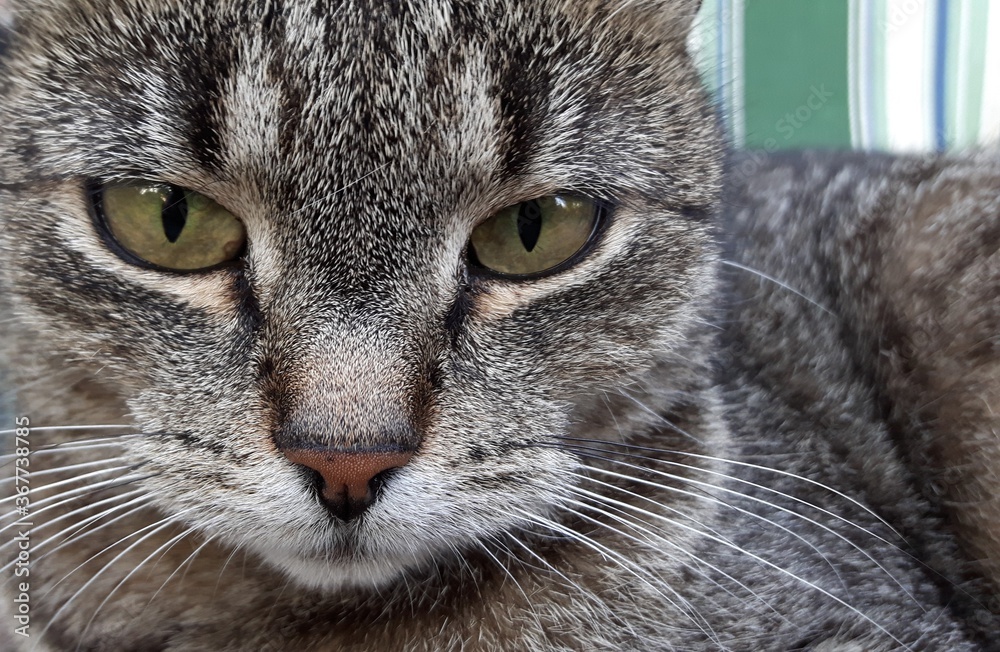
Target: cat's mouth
[[362, 535], [345, 563]]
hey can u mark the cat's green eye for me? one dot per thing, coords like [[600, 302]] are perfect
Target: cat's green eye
[[535, 236], [168, 226]]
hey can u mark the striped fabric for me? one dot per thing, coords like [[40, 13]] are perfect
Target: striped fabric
[[899, 75]]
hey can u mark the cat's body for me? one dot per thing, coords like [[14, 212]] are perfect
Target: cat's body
[[652, 448], [892, 320]]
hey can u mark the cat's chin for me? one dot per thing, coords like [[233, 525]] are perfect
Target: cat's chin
[[338, 575]]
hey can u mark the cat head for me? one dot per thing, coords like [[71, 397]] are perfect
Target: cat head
[[345, 385]]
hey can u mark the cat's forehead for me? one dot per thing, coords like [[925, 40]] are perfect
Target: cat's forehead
[[343, 124], [344, 88]]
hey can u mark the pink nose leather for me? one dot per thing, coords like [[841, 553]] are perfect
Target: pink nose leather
[[347, 477]]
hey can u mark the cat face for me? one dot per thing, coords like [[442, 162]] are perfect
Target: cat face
[[359, 146]]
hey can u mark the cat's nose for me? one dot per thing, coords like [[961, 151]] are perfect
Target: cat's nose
[[350, 479]]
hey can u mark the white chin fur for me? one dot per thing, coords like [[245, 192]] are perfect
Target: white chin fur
[[335, 575]]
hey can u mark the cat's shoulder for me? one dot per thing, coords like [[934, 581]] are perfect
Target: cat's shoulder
[[902, 253]]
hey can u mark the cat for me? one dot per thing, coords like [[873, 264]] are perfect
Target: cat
[[431, 326], [904, 255]]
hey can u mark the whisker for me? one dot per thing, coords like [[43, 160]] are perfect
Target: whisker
[[85, 508], [659, 416], [633, 569], [749, 513], [758, 467], [758, 558], [35, 429], [101, 485], [62, 469], [169, 544], [705, 528], [781, 284], [277, 599], [75, 445], [68, 531], [156, 527], [459, 554], [550, 568], [744, 511], [82, 533], [658, 540], [336, 192], [528, 601], [190, 558]]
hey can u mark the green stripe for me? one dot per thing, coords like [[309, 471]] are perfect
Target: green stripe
[[735, 79], [735, 101], [967, 134], [796, 56]]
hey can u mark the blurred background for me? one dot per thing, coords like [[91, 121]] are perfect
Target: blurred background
[[892, 75]]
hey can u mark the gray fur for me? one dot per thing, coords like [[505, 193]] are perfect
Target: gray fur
[[651, 450]]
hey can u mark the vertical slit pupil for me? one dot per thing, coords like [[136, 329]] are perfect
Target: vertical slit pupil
[[175, 212], [529, 224]]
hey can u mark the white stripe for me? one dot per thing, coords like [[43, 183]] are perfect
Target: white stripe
[[909, 75], [989, 121], [865, 63], [702, 42], [965, 133], [737, 73], [854, 92]]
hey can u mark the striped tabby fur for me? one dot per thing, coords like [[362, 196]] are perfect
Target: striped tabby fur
[[686, 441]]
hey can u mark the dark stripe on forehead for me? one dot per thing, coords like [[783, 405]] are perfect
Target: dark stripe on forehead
[[281, 73], [523, 86], [273, 21], [205, 70]]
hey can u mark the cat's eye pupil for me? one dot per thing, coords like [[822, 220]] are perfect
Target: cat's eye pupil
[[175, 213], [529, 224], [535, 237], [167, 226]]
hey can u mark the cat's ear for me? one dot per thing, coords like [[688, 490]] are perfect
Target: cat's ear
[[686, 10], [673, 14]]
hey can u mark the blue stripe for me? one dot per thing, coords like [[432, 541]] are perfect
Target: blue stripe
[[940, 60]]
